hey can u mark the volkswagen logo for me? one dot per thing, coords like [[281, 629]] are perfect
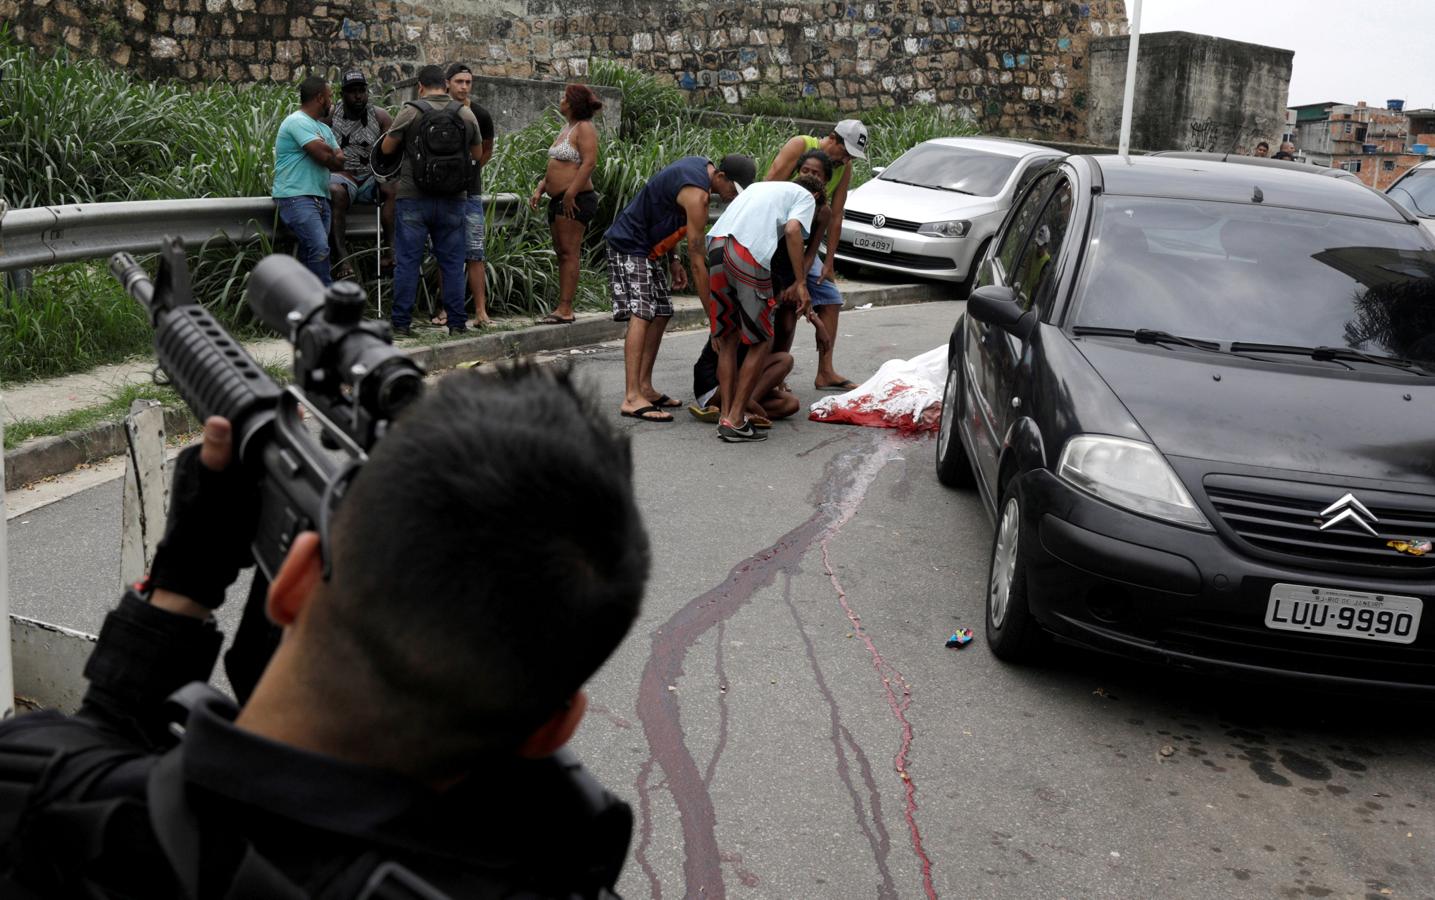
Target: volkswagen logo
[[879, 221], [1348, 509]]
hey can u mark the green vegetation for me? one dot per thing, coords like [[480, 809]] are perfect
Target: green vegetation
[[80, 131]]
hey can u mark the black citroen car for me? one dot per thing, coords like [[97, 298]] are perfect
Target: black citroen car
[[1198, 399]]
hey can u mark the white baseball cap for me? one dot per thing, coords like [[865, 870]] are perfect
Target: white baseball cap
[[854, 137]]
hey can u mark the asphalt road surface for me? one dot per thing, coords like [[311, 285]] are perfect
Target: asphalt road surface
[[786, 722]]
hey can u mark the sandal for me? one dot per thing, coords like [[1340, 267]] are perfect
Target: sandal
[[440, 319], [846, 385], [666, 402], [552, 319], [646, 414]]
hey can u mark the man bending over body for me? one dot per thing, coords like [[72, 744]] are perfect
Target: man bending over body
[[740, 250]]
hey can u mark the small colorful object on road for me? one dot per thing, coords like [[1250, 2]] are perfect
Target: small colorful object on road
[[960, 638]]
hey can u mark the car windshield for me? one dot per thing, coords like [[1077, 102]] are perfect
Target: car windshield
[[1417, 193], [1229, 272], [946, 168]]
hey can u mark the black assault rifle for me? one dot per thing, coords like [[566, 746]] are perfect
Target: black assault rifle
[[348, 376]]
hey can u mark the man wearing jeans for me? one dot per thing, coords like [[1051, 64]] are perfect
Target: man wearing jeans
[[460, 84], [305, 152], [427, 213]]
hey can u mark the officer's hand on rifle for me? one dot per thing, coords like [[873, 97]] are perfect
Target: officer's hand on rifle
[[213, 514]]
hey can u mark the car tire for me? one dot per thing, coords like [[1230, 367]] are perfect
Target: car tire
[[1013, 633], [954, 468]]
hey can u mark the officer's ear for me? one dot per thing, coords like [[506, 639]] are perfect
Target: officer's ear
[[299, 576], [557, 731]]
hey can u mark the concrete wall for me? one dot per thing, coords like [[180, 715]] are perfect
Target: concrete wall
[[1193, 92], [1014, 65], [516, 102]]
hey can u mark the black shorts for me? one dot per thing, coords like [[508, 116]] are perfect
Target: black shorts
[[586, 203]]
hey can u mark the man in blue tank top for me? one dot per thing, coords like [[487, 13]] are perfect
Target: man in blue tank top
[[671, 207]]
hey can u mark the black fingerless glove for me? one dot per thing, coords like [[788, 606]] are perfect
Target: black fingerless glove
[[212, 520]]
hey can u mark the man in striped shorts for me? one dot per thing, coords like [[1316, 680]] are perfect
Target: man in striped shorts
[[671, 207], [740, 250]]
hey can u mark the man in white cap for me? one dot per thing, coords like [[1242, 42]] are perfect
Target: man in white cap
[[846, 142]]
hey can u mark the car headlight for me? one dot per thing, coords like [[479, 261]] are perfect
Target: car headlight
[[951, 228], [1130, 474]]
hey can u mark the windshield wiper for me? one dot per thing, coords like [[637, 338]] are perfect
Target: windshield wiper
[[1149, 336], [1334, 354], [955, 190]]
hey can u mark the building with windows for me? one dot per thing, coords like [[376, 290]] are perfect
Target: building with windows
[[1377, 144]]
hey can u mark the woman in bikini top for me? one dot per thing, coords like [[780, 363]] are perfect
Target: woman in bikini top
[[568, 182]]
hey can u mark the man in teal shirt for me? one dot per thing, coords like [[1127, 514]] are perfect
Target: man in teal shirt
[[305, 152]]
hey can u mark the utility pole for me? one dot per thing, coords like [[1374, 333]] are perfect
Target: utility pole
[[1130, 99]]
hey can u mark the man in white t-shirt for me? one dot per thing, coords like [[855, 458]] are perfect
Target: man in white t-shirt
[[740, 249]]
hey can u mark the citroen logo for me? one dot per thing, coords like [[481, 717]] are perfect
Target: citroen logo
[[1348, 509], [879, 221]]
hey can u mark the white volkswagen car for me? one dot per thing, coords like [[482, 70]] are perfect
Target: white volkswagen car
[[933, 211], [1415, 190]]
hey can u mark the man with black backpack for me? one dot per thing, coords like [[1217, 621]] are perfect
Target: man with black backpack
[[441, 144], [405, 739]]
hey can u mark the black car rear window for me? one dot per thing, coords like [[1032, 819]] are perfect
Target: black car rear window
[[959, 169], [1241, 272]]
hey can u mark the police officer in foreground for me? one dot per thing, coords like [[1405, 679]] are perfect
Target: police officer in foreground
[[405, 740]]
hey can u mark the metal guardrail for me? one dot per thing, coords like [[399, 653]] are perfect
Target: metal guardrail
[[58, 234]]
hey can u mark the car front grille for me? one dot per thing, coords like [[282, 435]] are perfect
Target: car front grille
[[897, 258], [866, 219], [1284, 517]]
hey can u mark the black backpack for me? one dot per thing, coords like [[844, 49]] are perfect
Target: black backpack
[[438, 149]]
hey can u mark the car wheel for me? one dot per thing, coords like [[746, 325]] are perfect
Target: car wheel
[[1012, 633], [954, 469]]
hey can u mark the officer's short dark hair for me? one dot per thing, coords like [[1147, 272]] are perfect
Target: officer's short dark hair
[[310, 88], [486, 561], [431, 76]]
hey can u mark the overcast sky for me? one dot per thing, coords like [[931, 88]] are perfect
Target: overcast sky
[[1370, 50]]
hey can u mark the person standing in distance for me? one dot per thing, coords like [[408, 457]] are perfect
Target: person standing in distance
[[305, 152], [846, 142], [460, 87], [440, 140], [671, 207], [572, 201], [741, 246], [358, 127]]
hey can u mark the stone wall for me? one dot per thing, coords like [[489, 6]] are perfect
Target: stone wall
[[1016, 66], [1193, 92]]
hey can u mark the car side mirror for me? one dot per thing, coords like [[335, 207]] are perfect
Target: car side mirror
[[878, 170], [996, 305]]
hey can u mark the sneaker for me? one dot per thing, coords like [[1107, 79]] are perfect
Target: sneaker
[[734, 435], [461, 329], [402, 331]]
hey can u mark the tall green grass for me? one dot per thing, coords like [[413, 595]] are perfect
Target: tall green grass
[[76, 131]]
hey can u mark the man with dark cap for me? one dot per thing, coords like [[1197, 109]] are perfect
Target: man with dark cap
[[671, 207], [358, 127]]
